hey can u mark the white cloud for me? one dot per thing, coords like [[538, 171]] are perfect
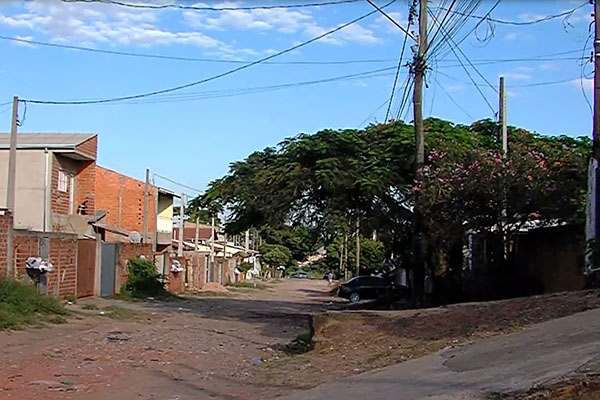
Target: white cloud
[[511, 36], [588, 84], [454, 88], [389, 27], [23, 43], [93, 23], [516, 75], [525, 69], [549, 66], [281, 20]]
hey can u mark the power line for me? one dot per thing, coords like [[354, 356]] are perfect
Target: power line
[[206, 8], [387, 113], [468, 73], [406, 32], [454, 101], [214, 77], [177, 183], [190, 59], [530, 22], [372, 114], [534, 84], [221, 61], [258, 89]]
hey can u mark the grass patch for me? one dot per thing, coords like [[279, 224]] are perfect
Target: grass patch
[[121, 313], [22, 305], [247, 285], [208, 293], [303, 343], [89, 307]]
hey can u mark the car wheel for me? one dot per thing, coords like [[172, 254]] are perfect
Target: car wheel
[[354, 297]]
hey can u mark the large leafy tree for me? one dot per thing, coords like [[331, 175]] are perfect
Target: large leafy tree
[[327, 181]]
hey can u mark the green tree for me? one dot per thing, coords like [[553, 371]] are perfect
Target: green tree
[[275, 255]]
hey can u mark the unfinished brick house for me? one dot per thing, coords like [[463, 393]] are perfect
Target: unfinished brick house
[[55, 181], [120, 205]]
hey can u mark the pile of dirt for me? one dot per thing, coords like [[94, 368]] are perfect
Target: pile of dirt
[[350, 342], [576, 388], [214, 287]]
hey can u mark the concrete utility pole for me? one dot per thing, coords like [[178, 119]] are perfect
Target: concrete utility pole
[[224, 257], [593, 209], [146, 207], [247, 241], [418, 68], [357, 246], [196, 248], [503, 120], [211, 271], [11, 184], [181, 225]]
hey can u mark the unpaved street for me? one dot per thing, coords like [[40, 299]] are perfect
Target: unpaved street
[[234, 346], [205, 347], [537, 355]]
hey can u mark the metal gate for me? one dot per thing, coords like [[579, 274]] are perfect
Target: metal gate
[[108, 268], [86, 267]]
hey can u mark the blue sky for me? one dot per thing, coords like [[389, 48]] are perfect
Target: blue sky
[[192, 138]]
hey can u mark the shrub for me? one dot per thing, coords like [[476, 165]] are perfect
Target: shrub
[[143, 280], [21, 304]]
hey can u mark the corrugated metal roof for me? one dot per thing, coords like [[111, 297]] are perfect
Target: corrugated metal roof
[[46, 140]]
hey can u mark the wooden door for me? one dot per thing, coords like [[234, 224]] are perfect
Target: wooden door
[[86, 267]]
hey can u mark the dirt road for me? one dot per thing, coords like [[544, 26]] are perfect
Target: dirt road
[[539, 354], [201, 348]]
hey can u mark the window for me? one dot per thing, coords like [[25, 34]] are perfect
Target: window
[[63, 182]]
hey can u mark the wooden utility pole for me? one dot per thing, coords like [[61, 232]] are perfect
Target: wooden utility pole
[[418, 68], [593, 209], [146, 207], [503, 120], [181, 225], [358, 247], [11, 187]]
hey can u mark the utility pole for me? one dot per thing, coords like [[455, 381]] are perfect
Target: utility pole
[[211, 271], [181, 225], [503, 120], [11, 184], [146, 207], [418, 68], [224, 257], [196, 249], [592, 207], [358, 247], [247, 241], [503, 136]]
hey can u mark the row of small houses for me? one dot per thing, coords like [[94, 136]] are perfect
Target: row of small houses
[[88, 221]]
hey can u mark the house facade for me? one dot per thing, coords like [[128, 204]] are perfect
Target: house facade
[[55, 181], [121, 209]]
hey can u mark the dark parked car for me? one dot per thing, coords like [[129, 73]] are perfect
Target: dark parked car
[[370, 288], [299, 275]]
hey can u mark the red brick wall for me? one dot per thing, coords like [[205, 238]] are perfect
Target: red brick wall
[[60, 200], [89, 147], [5, 223], [110, 186], [177, 279], [85, 185], [62, 253], [126, 252]]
